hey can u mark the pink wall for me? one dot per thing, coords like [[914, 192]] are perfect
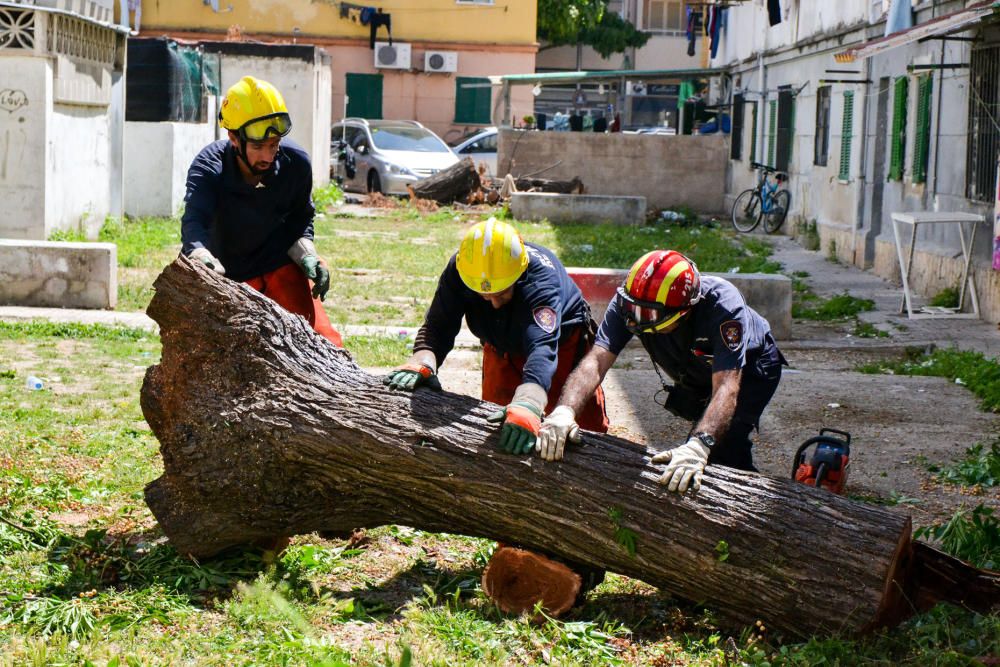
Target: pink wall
[[430, 98]]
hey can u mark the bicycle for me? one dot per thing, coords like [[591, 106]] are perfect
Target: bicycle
[[765, 202]]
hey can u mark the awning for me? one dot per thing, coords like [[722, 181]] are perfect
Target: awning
[[939, 25], [661, 75]]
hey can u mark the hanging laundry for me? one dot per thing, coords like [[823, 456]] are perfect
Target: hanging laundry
[[774, 11], [692, 30], [366, 15], [377, 20], [900, 16], [714, 25]]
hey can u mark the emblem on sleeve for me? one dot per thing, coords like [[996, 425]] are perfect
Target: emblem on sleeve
[[732, 334], [545, 318]]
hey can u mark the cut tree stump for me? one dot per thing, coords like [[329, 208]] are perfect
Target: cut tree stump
[[266, 429], [455, 182]]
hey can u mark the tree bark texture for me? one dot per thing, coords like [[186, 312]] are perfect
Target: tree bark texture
[[455, 182], [267, 429]]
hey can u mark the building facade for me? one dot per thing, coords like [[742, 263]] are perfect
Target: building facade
[[434, 71], [868, 125], [61, 118]]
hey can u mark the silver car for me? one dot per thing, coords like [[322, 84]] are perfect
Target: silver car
[[385, 155]]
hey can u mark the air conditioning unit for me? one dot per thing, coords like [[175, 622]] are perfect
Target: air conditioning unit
[[440, 61], [392, 56], [635, 88]]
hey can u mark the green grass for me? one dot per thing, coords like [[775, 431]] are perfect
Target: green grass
[[980, 374], [839, 307]]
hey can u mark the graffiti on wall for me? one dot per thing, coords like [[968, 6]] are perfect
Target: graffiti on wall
[[12, 100]]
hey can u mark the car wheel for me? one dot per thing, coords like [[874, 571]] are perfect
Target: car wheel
[[374, 183]]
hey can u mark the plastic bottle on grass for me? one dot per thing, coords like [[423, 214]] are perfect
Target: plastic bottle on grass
[[33, 383]]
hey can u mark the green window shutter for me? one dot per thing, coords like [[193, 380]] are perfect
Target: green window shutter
[[364, 96], [753, 133], [846, 132], [922, 139], [473, 97], [772, 125], [898, 136]]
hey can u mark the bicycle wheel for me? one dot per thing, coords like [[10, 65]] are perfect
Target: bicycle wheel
[[780, 203], [746, 211]]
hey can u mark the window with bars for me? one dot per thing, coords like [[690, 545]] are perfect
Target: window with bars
[[772, 126], [846, 135], [753, 132], [983, 136], [364, 95], [736, 138], [922, 130], [897, 137], [821, 143], [661, 16], [786, 129], [473, 96]]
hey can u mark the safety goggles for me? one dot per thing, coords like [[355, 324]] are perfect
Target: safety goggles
[[646, 316], [259, 129]]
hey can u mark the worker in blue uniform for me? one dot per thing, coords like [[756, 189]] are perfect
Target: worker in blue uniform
[[248, 207]]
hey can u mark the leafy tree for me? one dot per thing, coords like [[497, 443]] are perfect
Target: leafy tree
[[586, 22]]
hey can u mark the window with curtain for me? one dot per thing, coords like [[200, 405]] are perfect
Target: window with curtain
[[821, 144]]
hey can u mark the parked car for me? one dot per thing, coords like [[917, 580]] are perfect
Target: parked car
[[481, 146], [385, 155]]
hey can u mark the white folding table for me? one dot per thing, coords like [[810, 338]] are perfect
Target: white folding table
[[968, 280]]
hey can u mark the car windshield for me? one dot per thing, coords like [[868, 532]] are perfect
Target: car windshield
[[407, 139]]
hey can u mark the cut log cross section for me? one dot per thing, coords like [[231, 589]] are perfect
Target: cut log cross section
[[266, 429]]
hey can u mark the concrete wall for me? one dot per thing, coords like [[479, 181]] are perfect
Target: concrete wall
[[77, 185], [24, 145], [669, 171], [157, 189], [592, 209], [306, 89], [65, 275]]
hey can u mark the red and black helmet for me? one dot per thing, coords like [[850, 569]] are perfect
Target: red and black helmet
[[659, 290]]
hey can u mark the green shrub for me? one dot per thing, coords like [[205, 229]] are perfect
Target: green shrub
[[972, 536], [946, 298], [980, 467], [839, 307]]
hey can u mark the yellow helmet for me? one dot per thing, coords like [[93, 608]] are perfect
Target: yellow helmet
[[255, 110], [492, 257]]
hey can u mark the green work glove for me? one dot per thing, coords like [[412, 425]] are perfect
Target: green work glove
[[317, 272], [521, 423], [412, 375]]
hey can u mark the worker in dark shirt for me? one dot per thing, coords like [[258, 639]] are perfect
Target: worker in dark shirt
[[535, 326], [719, 352], [531, 318], [248, 208]]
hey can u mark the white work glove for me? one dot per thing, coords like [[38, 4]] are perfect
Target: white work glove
[[686, 465], [208, 259], [557, 428]]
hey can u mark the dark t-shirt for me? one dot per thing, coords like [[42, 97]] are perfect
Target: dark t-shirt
[[546, 306], [249, 229], [721, 333]]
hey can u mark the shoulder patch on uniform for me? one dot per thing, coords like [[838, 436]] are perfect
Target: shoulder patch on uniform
[[732, 334], [545, 318]]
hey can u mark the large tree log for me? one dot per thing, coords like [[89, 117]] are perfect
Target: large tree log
[[266, 429], [449, 184]]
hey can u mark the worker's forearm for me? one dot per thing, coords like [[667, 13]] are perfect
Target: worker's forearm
[[585, 379], [722, 406]]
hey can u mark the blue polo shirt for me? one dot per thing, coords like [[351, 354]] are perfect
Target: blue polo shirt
[[546, 306], [720, 333], [249, 229]]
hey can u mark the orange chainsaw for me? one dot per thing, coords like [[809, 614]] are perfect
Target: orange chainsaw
[[827, 467]]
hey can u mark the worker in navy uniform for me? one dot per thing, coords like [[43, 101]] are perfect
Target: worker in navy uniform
[[531, 318], [248, 207], [719, 352], [535, 327]]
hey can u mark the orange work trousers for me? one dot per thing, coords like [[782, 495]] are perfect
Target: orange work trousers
[[289, 287], [502, 374]]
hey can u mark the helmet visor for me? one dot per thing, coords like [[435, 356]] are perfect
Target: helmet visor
[[259, 129], [646, 316]]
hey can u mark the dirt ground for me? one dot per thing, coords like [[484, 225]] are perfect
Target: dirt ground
[[898, 424]]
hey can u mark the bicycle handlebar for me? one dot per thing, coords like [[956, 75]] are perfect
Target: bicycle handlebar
[[769, 170]]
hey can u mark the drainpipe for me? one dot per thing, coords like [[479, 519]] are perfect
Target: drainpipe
[[761, 108], [868, 256], [937, 125]]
